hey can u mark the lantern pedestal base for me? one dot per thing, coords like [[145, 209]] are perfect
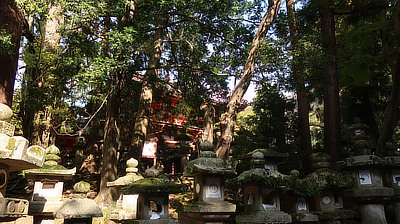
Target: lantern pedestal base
[[267, 217], [210, 212]]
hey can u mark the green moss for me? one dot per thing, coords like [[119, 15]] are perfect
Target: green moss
[[329, 179], [36, 151], [275, 180], [339, 214], [320, 157], [4, 154], [53, 167], [49, 169], [53, 150], [53, 157], [209, 166], [154, 185], [11, 144]]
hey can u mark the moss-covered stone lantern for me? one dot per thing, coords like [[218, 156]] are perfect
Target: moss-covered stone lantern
[[367, 170], [126, 207], [328, 203], [262, 202], [209, 175], [15, 155], [153, 190], [49, 183], [297, 200]]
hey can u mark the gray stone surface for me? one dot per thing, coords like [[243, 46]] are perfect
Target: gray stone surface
[[78, 208], [13, 207], [132, 175], [272, 217], [396, 208], [5, 112], [207, 163], [126, 207], [305, 217], [371, 192], [44, 207], [209, 207], [6, 128], [372, 214], [15, 155]]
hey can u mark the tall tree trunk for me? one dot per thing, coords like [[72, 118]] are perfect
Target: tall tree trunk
[[39, 118], [106, 194], [12, 21], [332, 138], [26, 111], [146, 95], [392, 108], [302, 94], [228, 119], [109, 163], [208, 119]]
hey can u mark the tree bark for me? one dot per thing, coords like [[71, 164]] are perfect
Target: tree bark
[[208, 125], [302, 93], [392, 108], [12, 21], [332, 138], [228, 119], [38, 117], [146, 95], [106, 194]]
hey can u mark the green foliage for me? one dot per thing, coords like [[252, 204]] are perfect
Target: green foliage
[[6, 45], [274, 115], [285, 183], [16, 120], [270, 124], [244, 139]]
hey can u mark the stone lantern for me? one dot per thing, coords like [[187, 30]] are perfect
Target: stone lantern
[[48, 189], [369, 191], [183, 150], [15, 155], [298, 203], [262, 202], [79, 146], [359, 138], [367, 170], [392, 179], [126, 207], [153, 190], [78, 211], [328, 205], [209, 176]]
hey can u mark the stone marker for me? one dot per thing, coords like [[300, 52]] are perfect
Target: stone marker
[[15, 155]]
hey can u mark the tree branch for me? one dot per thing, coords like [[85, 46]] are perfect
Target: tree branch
[[90, 119]]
